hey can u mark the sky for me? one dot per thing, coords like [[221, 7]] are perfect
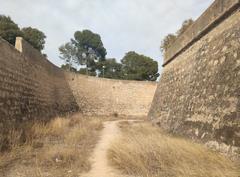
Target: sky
[[124, 25]]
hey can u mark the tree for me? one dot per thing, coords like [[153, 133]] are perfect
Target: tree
[[139, 67], [68, 52], [90, 45], [85, 72], [8, 29], [34, 37], [110, 68], [85, 49], [90, 48]]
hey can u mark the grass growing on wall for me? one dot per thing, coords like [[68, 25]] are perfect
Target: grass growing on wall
[[145, 151], [59, 148]]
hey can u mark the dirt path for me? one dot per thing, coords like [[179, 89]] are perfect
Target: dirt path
[[100, 167]]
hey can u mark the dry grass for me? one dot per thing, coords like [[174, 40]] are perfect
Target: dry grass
[[144, 151], [60, 147]]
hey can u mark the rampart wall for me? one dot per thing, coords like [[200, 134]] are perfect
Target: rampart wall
[[30, 86], [199, 91], [108, 97]]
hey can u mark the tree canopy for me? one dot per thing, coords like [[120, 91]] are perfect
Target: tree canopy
[[68, 52], [86, 48], [110, 68], [90, 45], [139, 67], [9, 30], [35, 37]]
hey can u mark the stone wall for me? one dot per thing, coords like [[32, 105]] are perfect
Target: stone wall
[[214, 15], [30, 86], [107, 97], [199, 91]]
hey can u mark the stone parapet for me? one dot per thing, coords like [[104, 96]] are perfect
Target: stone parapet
[[216, 13]]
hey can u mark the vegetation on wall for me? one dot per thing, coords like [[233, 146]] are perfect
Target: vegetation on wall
[[170, 38], [9, 30]]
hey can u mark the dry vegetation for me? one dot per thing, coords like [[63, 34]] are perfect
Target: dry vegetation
[[59, 148], [145, 151]]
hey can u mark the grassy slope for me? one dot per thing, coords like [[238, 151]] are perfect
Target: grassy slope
[[145, 151]]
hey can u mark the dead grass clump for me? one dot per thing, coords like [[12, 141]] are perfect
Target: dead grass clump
[[77, 144], [76, 135], [28, 133], [13, 139], [55, 127], [58, 126], [60, 146], [58, 156], [146, 152]]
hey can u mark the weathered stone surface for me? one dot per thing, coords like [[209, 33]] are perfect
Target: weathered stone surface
[[33, 88], [199, 91], [30, 86], [219, 10], [106, 96]]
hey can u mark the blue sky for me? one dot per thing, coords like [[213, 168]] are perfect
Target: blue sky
[[124, 25]]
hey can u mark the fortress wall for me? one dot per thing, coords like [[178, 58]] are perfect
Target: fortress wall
[[106, 96], [199, 91], [30, 86], [218, 11]]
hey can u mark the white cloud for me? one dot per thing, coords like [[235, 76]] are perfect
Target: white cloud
[[124, 25]]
